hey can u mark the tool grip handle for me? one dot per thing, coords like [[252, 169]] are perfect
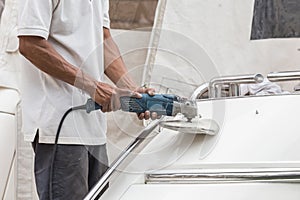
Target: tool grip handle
[[162, 104]]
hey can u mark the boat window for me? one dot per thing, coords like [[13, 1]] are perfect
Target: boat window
[[132, 14]]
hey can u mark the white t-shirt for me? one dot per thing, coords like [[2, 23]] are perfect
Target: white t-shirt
[[75, 30]]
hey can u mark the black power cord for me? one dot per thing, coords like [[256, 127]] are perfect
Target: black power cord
[[89, 107]]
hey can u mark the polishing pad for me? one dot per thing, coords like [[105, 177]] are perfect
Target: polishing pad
[[195, 126]]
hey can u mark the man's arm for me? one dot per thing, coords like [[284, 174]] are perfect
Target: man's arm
[[114, 65], [41, 53], [117, 72]]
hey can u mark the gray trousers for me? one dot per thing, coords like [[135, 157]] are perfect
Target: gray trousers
[[76, 169]]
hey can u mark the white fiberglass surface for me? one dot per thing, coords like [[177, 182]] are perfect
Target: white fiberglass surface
[[213, 192], [252, 130], [255, 132]]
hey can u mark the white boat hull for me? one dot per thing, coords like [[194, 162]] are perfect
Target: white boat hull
[[257, 134]]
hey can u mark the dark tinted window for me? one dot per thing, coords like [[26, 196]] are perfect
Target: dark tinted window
[[276, 19]]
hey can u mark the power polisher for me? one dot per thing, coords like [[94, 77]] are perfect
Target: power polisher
[[162, 104], [167, 105]]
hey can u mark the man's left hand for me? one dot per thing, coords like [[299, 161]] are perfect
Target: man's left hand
[[146, 115]]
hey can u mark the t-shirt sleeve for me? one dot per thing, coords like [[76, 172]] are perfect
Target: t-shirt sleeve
[[106, 20], [35, 17]]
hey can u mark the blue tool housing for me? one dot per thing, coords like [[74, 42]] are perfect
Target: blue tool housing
[[162, 104]]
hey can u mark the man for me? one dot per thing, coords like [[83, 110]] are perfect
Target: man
[[63, 40]]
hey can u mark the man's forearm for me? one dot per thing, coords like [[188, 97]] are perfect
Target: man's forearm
[[40, 53], [114, 65]]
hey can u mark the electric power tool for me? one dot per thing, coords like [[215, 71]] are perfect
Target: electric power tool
[[162, 104]]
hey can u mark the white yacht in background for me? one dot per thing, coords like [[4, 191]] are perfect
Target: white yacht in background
[[9, 99], [196, 49]]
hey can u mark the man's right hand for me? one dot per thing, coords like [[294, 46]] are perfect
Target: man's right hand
[[109, 97]]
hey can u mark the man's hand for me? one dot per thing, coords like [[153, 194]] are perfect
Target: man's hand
[[109, 97], [147, 115]]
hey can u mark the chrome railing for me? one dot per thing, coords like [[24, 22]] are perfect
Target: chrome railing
[[230, 85], [284, 76], [201, 92], [215, 85], [94, 192], [206, 176]]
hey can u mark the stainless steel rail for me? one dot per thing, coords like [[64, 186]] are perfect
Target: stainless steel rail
[[200, 92], [284, 76], [93, 193], [206, 176], [215, 85], [7, 113]]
